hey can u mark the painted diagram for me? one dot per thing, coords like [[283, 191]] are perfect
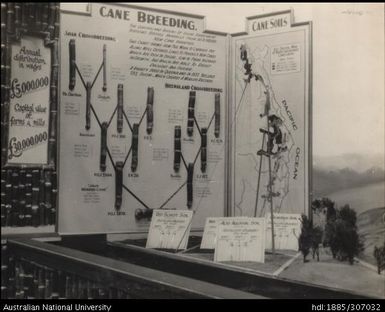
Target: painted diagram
[[270, 126], [132, 154], [142, 125]]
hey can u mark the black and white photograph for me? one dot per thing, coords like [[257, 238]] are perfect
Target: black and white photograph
[[192, 151]]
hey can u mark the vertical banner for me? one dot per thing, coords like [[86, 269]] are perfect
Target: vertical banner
[[271, 126], [29, 110], [142, 118]]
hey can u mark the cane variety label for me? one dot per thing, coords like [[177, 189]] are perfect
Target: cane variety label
[[287, 229], [209, 238], [169, 229], [240, 239]]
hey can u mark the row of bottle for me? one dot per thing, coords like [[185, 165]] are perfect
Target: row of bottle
[[25, 279], [28, 197]]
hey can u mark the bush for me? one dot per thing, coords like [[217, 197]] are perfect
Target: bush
[[341, 235], [304, 240], [349, 215], [331, 210], [316, 238], [327, 207], [310, 238], [330, 238], [379, 255]]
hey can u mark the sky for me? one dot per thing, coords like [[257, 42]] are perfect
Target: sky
[[348, 66]]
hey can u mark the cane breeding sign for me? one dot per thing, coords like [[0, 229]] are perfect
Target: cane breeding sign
[[143, 118]]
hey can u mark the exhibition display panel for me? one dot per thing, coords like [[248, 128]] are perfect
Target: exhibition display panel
[[143, 119], [145, 156]]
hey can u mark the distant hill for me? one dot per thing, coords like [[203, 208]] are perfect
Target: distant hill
[[357, 162], [360, 198], [371, 228], [359, 181], [328, 181]]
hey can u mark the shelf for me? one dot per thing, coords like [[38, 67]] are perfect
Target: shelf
[[14, 230]]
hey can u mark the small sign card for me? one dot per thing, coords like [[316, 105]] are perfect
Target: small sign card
[[287, 228], [241, 240], [169, 229], [209, 238]]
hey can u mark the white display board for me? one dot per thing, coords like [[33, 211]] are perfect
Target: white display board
[[169, 229], [271, 124], [110, 57], [29, 111], [241, 239], [209, 237], [287, 229]]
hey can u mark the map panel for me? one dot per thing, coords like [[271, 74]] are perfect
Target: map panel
[[270, 125]]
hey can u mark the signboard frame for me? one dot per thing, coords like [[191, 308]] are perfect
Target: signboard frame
[[225, 94], [233, 106], [50, 39]]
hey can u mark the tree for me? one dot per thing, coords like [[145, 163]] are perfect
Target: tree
[[316, 205], [304, 240], [331, 212], [348, 214], [310, 238], [341, 235], [350, 242], [316, 239], [331, 237], [379, 255]]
